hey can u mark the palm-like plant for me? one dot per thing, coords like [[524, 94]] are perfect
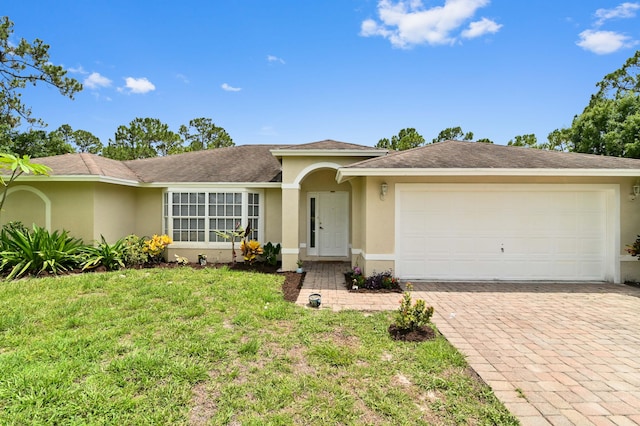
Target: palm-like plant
[[36, 251], [111, 256]]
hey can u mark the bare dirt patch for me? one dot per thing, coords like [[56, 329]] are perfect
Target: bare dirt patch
[[419, 334]]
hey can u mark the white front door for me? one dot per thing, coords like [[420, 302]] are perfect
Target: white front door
[[328, 223]]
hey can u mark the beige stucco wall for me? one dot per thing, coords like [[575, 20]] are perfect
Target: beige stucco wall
[[379, 215], [300, 175], [89, 209], [272, 215], [323, 180], [148, 211], [293, 167], [114, 211], [24, 205], [71, 206]]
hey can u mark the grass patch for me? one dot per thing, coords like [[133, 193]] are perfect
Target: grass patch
[[214, 346]]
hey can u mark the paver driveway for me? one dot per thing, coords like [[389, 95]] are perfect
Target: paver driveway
[[554, 353]]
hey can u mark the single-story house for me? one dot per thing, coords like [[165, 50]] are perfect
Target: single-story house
[[446, 211]]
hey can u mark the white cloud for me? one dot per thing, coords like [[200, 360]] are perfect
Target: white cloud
[[267, 131], [78, 70], [604, 42], [408, 23], [625, 10], [95, 81], [139, 85], [183, 78], [272, 58], [480, 28], [228, 88]]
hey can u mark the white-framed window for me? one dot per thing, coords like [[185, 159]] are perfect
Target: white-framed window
[[192, 217]]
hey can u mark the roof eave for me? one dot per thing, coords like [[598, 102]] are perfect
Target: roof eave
[[126, 182], [345, 174], [264, 185], [80, 178], [328, 152]]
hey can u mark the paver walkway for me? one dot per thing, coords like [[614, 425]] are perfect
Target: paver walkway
[[553, 353]]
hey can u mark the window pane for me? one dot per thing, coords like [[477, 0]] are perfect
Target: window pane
[[187, 213]]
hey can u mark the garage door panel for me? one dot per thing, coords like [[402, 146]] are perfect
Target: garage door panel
[[544, 235]]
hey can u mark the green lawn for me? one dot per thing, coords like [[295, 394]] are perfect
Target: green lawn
[[213, 346]]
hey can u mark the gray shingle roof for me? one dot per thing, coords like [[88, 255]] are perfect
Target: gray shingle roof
[[256, 164], [87, 164], [328, 144], [247, 163], [465, 155]]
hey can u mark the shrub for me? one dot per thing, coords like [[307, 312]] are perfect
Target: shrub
[[250, 250], [37, 251], [412, 317], [271, 253], [133, 254], [111, 256], [155, 246], [380, 280]]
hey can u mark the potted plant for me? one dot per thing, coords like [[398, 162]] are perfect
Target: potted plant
[[315, 300], [299, 263]]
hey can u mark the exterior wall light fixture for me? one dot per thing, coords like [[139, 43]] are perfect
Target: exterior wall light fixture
[[635, 192], [384, 188]]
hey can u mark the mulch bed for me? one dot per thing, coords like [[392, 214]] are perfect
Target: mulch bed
[[632, 284], [420, 334], [348, 280]]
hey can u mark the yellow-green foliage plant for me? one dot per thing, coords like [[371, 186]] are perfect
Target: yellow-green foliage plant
[[155, 246], [250, 250]]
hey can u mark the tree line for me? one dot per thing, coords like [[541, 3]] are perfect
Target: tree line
[[142, 138]]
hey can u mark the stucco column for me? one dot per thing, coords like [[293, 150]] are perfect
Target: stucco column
[[290, 224]]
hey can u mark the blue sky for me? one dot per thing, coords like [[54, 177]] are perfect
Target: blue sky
[[351, 70]]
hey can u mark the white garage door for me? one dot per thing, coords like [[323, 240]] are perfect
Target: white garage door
[[502, 232]]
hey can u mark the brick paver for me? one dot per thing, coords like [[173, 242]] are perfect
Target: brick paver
[[572, 350]]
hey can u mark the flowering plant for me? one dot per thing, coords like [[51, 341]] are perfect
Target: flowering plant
[[155, 246], [634, 249]]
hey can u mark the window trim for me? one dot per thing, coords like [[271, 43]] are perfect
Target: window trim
[[167, 220]]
